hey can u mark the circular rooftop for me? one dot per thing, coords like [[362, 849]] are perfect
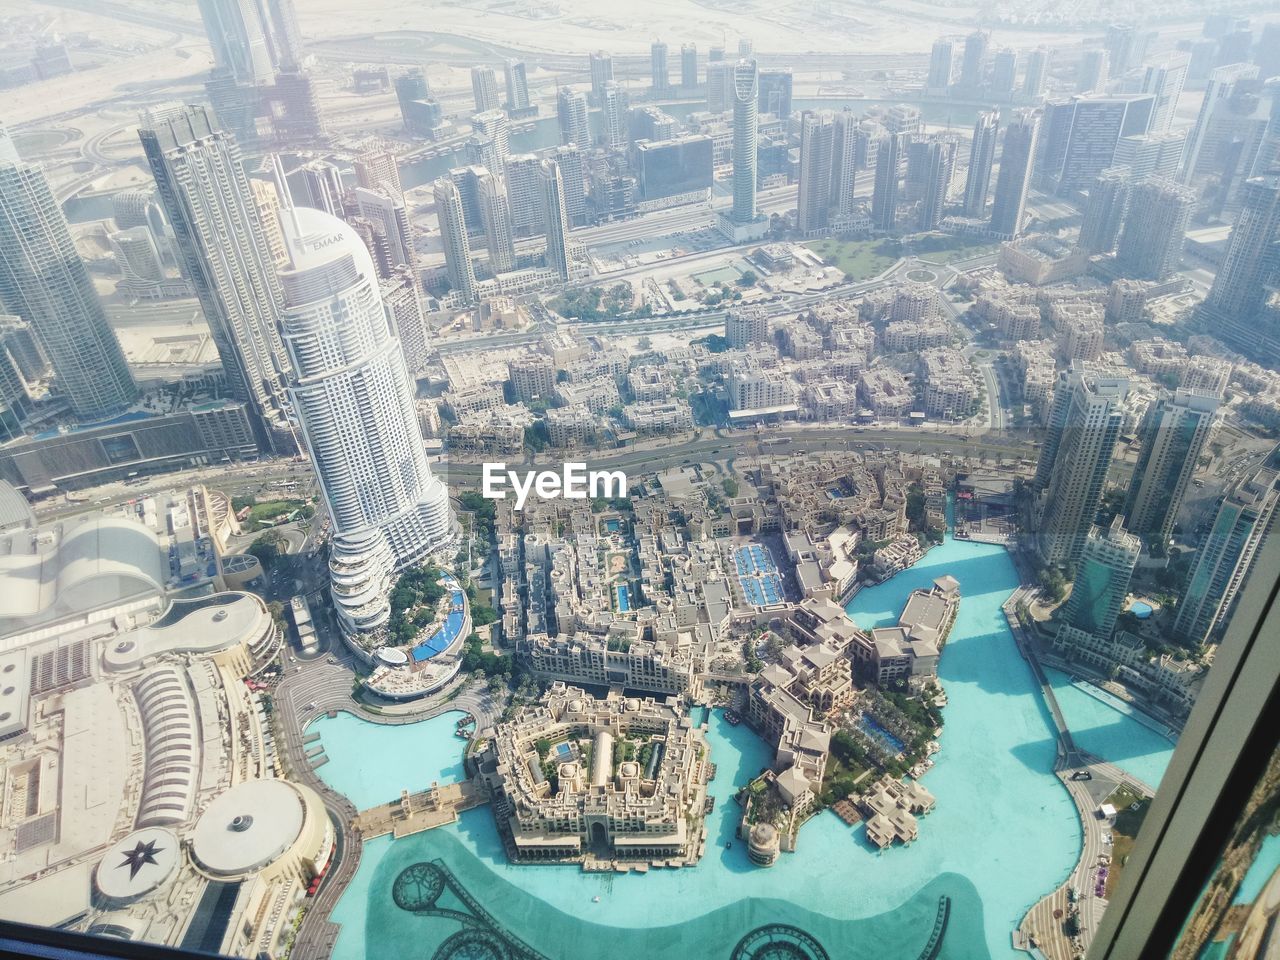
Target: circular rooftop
[[248, 827], [137, 864]]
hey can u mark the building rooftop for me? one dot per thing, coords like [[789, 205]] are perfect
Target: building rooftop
[[247, 827]]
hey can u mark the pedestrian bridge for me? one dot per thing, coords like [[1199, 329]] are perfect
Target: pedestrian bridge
[[416, 812]]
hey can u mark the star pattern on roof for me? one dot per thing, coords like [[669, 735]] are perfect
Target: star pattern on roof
[[140, 856]]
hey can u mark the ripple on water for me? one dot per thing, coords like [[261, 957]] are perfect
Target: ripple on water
[[1004, 831]]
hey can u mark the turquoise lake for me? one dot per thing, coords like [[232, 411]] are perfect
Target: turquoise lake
[[1004, 831]]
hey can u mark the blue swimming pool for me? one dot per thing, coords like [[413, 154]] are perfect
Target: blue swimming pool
[[450, 630], [624, 598], [1141, 609], [879, 734]]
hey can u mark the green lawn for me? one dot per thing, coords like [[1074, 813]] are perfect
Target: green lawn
[[261, 513], [860, 259], [943, 248]]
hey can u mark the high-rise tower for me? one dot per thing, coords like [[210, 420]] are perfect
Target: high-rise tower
[[659, 71], [453, 235], [484, 89], [1084, 424], [497, 223], [1107, 559], [44, 281], [814, 192], [220, 236], [981, 156], [1155, 228], [1014, 179], [743, 92], [571, 114], [1104, 213], [1173, 434], [884, 196], [354, 400], [1225, 557], [553, 203], [1239, 288]]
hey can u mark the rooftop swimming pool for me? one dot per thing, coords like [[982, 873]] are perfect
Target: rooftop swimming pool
[[1004, 831]]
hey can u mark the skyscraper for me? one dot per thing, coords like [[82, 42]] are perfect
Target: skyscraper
[[377, 169], [573, 177], [1107, 559], [257, 52], [453, 236], [1033, 81], [973, 67], [744, 90], [1155, 228], [1084, 423], [1081, 134], [1123, 47], [1239, 288], [391, 216], [354, 400], [659, 72], [845, 141], [517, 79], [497, 224], [524, 194], [1104, 213], [719, 86], [44, 281], [1092, 71], [1164, 80], [1004, 73], [1173, 434], [940, 65], [1151, 154], [689, 66], [1014, 179], [571, 115], [1219, 90], [557, 219], [484, 89], [774, 88], [317, 184], [982, 154], [884, 195], [494, 126], [613, 110], [222, 241], [939, 167], [239, 42], [601, 65], [817, 130], [1224, 559]]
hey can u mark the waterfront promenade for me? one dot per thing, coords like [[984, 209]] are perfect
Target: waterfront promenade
[[320, 688], [1089, 780]]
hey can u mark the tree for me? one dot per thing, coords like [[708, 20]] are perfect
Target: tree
[[1054, 584], [748, 279], [730, 487], [267, 548]]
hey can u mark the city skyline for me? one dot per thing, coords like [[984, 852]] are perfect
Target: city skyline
[[479, 479]]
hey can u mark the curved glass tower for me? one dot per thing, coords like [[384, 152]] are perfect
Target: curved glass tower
[[354, 399]]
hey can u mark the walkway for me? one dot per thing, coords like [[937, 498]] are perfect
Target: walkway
[[318, 689], [1089, 781], [415, 812]]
